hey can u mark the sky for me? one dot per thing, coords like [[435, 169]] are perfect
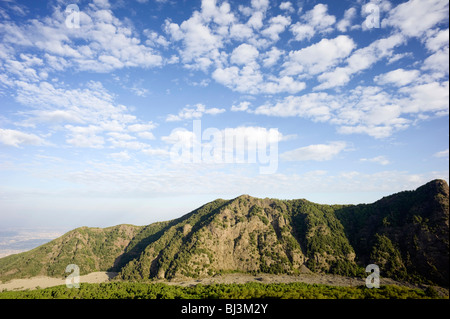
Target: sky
[[140, 111]]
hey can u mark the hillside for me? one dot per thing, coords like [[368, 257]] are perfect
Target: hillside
[[406, 234]]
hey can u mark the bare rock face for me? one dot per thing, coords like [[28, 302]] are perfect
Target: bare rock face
[[406, 234]]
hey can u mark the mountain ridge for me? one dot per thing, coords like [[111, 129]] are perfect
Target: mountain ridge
[[406, 234]]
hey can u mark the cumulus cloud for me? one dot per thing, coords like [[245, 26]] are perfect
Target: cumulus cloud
[[414, 18], [359, 60], [250, 79], [17, 138], [346, 22], [276, 26], [365, 110], [287, 6], [319, 57], [200, 40], [398, 77], [244, 54], [316, 20], [107, 42], [243, 106]]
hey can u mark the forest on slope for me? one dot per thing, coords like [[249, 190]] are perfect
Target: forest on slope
[[405, 234]]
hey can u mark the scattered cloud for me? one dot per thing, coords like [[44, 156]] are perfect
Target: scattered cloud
[[414, 18], [196, 112], [319, 57], [243, 106], [17, 138], [287, 6], [346, 22], [440, 154], [314, 21], [398, 77], [360, 59], [316, 152], [382, 160], [107, 42], [121, 156]]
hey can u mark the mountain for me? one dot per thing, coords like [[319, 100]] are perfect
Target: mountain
[[405, 234]]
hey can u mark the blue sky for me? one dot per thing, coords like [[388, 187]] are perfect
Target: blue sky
[[95, 102]]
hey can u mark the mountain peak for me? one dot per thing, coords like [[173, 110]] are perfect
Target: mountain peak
[[436, 186]]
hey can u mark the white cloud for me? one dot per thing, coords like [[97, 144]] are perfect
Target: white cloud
[[276, 26], [429, 97], [241, 31], [316, 106], [146, 135], [89, 116], [200, 37], [196, 112], [302, 31], [318, 57], [317, 152], [415, 17], [85, 136], [121, 156], [360, 59], [287, 6], [243, 106], [443, 153], [346, 22], [438, 63], [139, 91], [366, 110], [271, 57], [382, 160], [89, 105], [156, 152], [182, 136], [315, 21], [244, 54], [437, 40], [260, 5], [241, 144], [107, 43], [249, 79], [16, 138], [398, 77], [141, 127]]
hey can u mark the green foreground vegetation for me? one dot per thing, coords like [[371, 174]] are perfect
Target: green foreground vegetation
[[133, 290]]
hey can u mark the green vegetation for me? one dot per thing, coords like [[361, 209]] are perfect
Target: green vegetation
[[405, 234], [122, 290], [92, 249]]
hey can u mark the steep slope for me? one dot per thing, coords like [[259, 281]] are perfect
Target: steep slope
[[92, 249], [406, 234], [249, 235]]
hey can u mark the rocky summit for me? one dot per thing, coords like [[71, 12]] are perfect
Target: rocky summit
[[405, 234]]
